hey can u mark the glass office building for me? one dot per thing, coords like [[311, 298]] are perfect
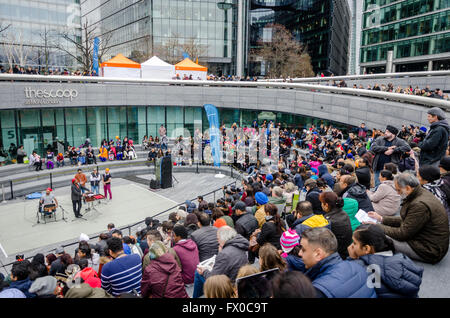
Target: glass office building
[[143, 28], [323, 26], [32, 23], [416, 31], [75, 124]]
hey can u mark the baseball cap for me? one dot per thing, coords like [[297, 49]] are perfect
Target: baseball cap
[[49, 189]]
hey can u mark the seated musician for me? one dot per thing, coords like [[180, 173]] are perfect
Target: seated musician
[[48, 202]]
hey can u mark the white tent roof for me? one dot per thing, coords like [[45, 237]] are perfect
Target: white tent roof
[[156, 61]]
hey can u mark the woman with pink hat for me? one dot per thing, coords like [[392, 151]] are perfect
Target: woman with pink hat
[[290, 245]]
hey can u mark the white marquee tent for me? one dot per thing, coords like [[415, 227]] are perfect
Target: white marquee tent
[[155, 68]]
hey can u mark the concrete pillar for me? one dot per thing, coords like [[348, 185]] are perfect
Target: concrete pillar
[[98, 128], [430, 66], [389, 62]]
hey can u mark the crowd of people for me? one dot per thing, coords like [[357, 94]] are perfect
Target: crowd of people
[[297, 223], [16, 69]]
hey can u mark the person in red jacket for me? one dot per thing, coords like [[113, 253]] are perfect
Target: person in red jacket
[[162, 277], [187, 251]]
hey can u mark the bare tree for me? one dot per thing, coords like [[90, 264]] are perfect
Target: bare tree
[[170, 50], [17, 52], [84, 46], [44, 51], [3, 27], [282, 54], [195, 50]]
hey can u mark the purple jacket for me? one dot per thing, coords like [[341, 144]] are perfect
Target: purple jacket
[[163, 277], [187, 251]]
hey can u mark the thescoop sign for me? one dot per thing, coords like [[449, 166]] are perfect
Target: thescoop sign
[[52, 96]]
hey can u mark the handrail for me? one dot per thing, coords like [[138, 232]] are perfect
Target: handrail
[[420, 100], [366, 76]]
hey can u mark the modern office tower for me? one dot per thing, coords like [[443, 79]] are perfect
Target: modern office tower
[[160, 27], [355, 36], [34, 28], [417, 32], [323, 26]]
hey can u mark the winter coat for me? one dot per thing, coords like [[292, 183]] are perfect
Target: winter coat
[[435, 188], [341, 228], [364, 176], [326, 176], [269, 234], [358, 192], [230, 259], [379, 148], [146, 259], [351, 208], [206, 240], [260, 216], [423, 224], [386, 201], [310, 221], [191, 228], [86, 291], [336, 278], [76, 192], [188, 253], [313, 196], [294, 262], [246, 224], [433, 147], [23, 285], [162, 277], [399, 276]]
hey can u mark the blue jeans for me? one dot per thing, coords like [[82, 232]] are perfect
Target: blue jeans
[[199, 281], [377, 178], [95, 189]]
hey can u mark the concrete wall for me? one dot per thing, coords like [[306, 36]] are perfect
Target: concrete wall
[[376, 113]]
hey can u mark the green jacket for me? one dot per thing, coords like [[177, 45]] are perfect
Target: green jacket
[[423, 224], [86, 291], [351, 208]]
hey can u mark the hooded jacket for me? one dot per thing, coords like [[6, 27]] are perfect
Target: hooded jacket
[[310, 221], [206, 240], [162, 277], [399, 276], [190, 206], [246, 224], [364, 176], [232, 257], [385, 201], [341, 228], [23, 285], [313, 196], [358, 192], [433, 147], [351, 208], [423, 224], [325, 175], [336, 278], [188, 253]]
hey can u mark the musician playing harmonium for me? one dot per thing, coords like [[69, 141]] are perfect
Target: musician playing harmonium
[[48, 202]]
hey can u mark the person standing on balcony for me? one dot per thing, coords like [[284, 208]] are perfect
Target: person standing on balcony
[[433, 147], [162, 131]]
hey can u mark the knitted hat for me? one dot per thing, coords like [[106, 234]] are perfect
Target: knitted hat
[[239, 205], [289, 240], [314, 170], [423, 128], [436, 111], [43, 286], [157, 249], [269, 177], [261, 198], [220, 222], [392, 129], [310, 182]]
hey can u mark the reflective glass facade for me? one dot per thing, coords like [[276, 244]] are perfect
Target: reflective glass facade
[[323, 26], [142, 27], [28, 20], [415, 30], [75, 124]]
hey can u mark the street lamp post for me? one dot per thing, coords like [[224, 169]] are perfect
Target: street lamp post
[[225, 6]]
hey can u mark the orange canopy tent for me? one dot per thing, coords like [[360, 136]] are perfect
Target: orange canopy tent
[[188, 67], [120, 66]]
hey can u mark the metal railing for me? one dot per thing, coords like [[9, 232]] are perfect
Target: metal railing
[[396, 97], [130, 226], [367, 76]]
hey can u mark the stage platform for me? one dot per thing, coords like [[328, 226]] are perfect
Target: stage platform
[[132, 202]]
